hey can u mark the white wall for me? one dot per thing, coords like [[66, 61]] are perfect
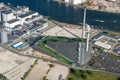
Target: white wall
[[75, 1], [66, 0], [22, 20], [12, 25], [8, 17]]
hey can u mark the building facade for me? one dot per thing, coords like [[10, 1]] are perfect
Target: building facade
[[76, 1]]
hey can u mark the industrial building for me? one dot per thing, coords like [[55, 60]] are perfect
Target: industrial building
[[18, 23], [33, 18], [12, 17], [103, 45], [105, 41], [12, 23], [37, 26], [29, 14], [75, 1], [18, 45], [1, 5], [7, 15]]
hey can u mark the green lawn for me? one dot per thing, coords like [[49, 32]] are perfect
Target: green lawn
[[88, 75]]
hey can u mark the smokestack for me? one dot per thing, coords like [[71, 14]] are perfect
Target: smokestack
[[84, 22], [88, 37]]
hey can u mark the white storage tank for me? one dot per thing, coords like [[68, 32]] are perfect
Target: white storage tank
[[3, 36]]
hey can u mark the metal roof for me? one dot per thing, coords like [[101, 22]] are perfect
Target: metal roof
[[27, 14], [12, 21]]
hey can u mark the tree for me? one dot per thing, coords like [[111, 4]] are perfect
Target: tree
[[72, 70], [70, 78], [118, 78], [51, 65], [2, 77], [84, 76], [89, 72]]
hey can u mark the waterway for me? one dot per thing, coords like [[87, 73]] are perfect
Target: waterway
[[69, 14]]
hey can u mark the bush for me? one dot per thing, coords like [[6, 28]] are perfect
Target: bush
[[84, 76], [72, 70], [70, 78], [51, 65], [89, 72], [44, 78], [118, 78], [2, 77]]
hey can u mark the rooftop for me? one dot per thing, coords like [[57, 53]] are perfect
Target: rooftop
[[12, 21], [27, 14], [7, 11], [103, 34], [19, 33], [34, 27]]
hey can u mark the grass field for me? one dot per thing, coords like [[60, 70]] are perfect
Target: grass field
[[88, 75]]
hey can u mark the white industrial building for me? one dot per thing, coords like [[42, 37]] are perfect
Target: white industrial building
[[103, 45], [34, 18], [14, 18], [21, 10], [7, 15], [75, 1], [12, 23], [23, 17], [1, 5], [18, 11], [104, 41]]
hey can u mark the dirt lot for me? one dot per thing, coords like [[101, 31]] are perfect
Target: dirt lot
[[40, 70], [13, 66], [65, 32]]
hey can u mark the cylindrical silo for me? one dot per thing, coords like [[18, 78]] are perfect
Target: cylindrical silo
[[3, 36]]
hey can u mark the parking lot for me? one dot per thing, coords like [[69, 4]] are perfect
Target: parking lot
[[105, 62]]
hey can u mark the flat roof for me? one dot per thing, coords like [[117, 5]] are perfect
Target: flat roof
[[42, 21], [34, 27], [7, 11], [17, 9], [2, 8], [20, 44], [103, 34], [2, 27], [18, 32], [103, 45], [27, 14], [12, 21]]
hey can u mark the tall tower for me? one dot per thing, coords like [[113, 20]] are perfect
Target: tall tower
[[88, 37], [84, 22], [83, 49]]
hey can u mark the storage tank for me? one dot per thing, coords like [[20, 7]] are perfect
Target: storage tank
[[3, 36]]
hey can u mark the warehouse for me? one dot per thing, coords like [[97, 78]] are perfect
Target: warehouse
[[103, 45], [18, 45]]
